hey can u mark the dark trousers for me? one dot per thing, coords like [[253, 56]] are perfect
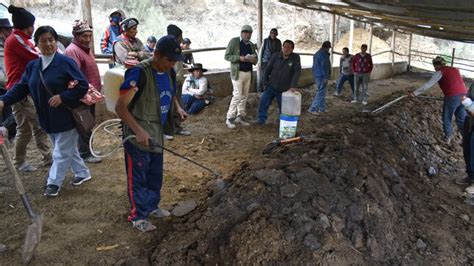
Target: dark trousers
[[262, 78], [452, 106], [144, 180], [84, 139], [468, 147], [340, 83], [192, 104], [265, 102]]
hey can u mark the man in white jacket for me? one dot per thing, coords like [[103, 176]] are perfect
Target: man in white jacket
[[195, 87]]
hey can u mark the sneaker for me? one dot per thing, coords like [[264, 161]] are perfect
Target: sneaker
[[313, 112], [354, 101], [464, 181], [230, 123], [92, 159], [364, 103], [160, 213], [241, 120], [336, 94], [143, 225], [51, 191], [26, 167], [79, 180], [169, 137], [183, 132]]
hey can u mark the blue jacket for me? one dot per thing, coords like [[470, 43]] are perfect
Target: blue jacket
[[57, 76], [321, 64]]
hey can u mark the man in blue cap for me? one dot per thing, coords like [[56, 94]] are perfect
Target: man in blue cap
[[148, 85]]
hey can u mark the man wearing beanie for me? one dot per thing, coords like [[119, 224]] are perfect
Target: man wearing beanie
[[128, 46], [80, 51], [19, 51], [175, 31], [241, 53]]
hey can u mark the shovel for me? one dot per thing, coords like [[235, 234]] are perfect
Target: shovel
[[33, 233], [380, 109], [279, 142]]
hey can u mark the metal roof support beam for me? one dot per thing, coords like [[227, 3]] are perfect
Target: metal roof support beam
[[332, 32], [393, 52], [351, 36], [371, 28], [409, 52], [452, 56]]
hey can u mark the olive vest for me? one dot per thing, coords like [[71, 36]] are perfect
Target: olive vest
[[145, 107]]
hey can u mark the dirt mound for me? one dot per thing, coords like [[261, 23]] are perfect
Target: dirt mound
[[357, 191]]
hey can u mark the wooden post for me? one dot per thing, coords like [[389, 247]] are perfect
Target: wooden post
[[452, 56], [87, 16], [409, 53], [259, 40], [351, 36], [371, 28], [393, 52], [332, 32]]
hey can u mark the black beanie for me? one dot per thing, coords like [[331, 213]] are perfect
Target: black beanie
[[21, 18], [174, 30]]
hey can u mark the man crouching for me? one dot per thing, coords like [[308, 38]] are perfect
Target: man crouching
[[147, 102]]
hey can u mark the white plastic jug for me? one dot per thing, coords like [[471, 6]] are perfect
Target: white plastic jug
[[113, 78], [291, 103], [467, 102]]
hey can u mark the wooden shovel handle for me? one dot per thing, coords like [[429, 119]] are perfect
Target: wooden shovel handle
[[11, 168]]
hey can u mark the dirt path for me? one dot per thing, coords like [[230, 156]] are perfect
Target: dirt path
[[94, 215]]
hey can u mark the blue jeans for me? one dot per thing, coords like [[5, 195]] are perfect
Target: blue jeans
[[452, 106], [319, 101], [65, 156], [144, 180], [340, 83], [265, 101], [192, 104]]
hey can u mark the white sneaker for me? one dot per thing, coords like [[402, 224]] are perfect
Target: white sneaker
[[364, 103], [169, 137], [354, 101], [160, 213], [336, 94], [92, 159], [230, 123], [26, 167], [241, 120]]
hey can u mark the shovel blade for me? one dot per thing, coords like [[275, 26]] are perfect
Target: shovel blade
[[32, 239]]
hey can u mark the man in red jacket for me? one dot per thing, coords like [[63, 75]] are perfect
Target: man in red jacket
[[80, 51], [19, 51], [362, 66], [451, 83]]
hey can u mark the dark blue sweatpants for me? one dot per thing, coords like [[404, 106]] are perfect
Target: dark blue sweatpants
[[144, 180]]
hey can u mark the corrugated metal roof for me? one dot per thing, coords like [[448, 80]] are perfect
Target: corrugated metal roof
[[445, 19]]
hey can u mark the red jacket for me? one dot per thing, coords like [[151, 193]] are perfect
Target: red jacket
[[19, 51], [362, 64], [86, 62], [451, 83]]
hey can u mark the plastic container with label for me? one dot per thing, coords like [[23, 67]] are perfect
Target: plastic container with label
[[113, 79], [291, 103], [288, 126]]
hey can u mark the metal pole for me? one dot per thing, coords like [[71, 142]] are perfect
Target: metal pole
[[393, 52], [351, 36], [452, 56], [331, 35], [87, 16], [259, 39], [371, 28], [409, 53]]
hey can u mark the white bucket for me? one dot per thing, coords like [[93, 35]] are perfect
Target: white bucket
[[288, 126]]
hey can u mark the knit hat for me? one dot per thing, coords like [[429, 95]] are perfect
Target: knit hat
[[174, 30], [79, 27], [439, 61], [128, 23], [21, 18], [246, 28]]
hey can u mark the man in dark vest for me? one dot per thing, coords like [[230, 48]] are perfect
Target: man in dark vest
[[148, 102]]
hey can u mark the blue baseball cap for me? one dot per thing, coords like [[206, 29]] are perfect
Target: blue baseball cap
[[169, 47]]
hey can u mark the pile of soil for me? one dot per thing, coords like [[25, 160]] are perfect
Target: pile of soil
[[356, 191], [362, 36]]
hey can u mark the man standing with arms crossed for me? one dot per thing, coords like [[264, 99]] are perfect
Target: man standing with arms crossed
[[241, 53], [19, 51]]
